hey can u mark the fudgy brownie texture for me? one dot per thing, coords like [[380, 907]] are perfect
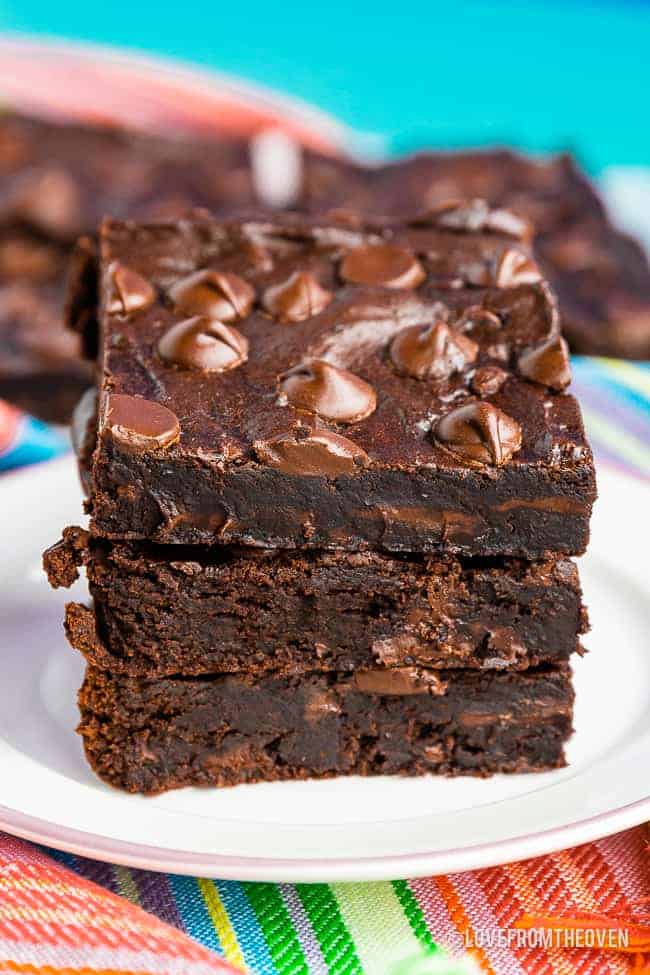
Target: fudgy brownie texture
[[601, 276], [57, 181], [294, 383], [152, 735], [160, 611]]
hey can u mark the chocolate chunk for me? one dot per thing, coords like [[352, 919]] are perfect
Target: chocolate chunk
[[217, 294], [547, 364], [386, 265], [515, 268], [203, 343], [488, 380], [432, 351], [479, 433], [140, 423], [298, 298], [398, 682], [131, 292], [329, 391], [317, 454]]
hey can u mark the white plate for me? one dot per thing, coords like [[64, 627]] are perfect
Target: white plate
[[342, 829]]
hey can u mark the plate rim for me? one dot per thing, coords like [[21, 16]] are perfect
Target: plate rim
[[335, 869], [320, 869]]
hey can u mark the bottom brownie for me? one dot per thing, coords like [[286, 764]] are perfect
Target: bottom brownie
[[152, 735]]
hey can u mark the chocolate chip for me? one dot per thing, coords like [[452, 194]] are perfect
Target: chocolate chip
[[488, 380], [477, 317], [547, 364], [140, 423], [203, 343], [476, 216], [465, 215], [479, 433], [515, 268], [509, 224], [218, 294], [386, 265], [298, 298], [432, 351], [317, 454], [330, 392], [130, 291]]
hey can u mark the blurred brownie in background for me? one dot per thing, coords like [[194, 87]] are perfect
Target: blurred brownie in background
[[601, 276], [57, 181]]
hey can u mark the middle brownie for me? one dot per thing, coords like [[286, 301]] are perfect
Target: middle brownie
[[165, 610]]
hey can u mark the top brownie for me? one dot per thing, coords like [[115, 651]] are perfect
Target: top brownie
[[299, 383], [601, 276]]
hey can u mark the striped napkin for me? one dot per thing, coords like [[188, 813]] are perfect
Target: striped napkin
[[63, 915]]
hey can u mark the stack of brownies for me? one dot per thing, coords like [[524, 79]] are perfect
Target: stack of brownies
[[334, 485]]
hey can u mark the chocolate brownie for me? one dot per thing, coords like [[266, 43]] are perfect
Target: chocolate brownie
[[601, 276], [41, 369], [160, 611], [152, 735], [57, 181], [299, 383]]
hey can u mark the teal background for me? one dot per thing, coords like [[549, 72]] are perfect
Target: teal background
[[542, 75]]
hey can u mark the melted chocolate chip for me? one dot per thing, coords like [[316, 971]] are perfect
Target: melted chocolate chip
[[476, 216], [465, 215], [257, 256], [203, 343], [432, 351], [298, 298], [385, 265], [140, 423], [547, 364], [479, 433], [318, 454], [131, 292], [515, 268], [217, 294], [488, 380], [509, 224], [398, 682], [329, 391]]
